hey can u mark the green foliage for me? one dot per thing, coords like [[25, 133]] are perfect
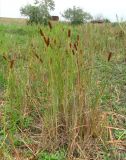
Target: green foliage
[[2, 82], [59, 155], [39, 13], [27, 121], [106, 20], [120, 135], [76, 15]]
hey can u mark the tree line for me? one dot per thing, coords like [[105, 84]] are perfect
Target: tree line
[[39, 13]]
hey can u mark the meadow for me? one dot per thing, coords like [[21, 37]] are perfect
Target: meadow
[[62, 92]]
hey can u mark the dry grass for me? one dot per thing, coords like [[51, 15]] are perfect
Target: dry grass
[[15, 21]]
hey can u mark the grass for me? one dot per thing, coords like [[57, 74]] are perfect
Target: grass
[[13, 21], [62, 92]]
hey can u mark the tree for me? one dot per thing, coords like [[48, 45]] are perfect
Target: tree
[[76, 15], [39, 12]]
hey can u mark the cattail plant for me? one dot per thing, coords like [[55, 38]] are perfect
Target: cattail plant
[[46, 40], [69, 33], [56, 91], [50, 25], [11, 63], [109, 56]]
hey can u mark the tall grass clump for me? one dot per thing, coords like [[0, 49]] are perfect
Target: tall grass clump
[[53, 94]]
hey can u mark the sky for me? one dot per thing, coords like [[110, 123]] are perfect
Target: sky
[[107, 8]]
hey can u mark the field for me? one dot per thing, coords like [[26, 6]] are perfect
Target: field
[[62, 92], [13, 21]]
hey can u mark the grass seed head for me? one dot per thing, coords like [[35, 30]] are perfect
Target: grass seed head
[[73, 51], [41, 32], [11, 64], [69, 33], [75, 46], [50, 25], [5, 57], [109, 56], [78, 38], [70, 45], [47, 41], [36, 55]]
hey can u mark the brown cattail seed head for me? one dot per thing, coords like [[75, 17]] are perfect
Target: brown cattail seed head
[[54, 41], [78, 37], [50, 25], [47, 41], [11, 64], [109, 56], [36, 55], [69, 33], [42, 34], [75, 46], [73, 51], [70, 45], [5, 57]]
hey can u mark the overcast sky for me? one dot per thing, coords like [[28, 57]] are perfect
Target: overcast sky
[[108, 8]]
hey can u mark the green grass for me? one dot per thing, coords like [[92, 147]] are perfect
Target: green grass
[[62, 92]]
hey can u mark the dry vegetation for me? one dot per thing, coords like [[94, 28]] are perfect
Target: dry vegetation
[[15, 21]]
